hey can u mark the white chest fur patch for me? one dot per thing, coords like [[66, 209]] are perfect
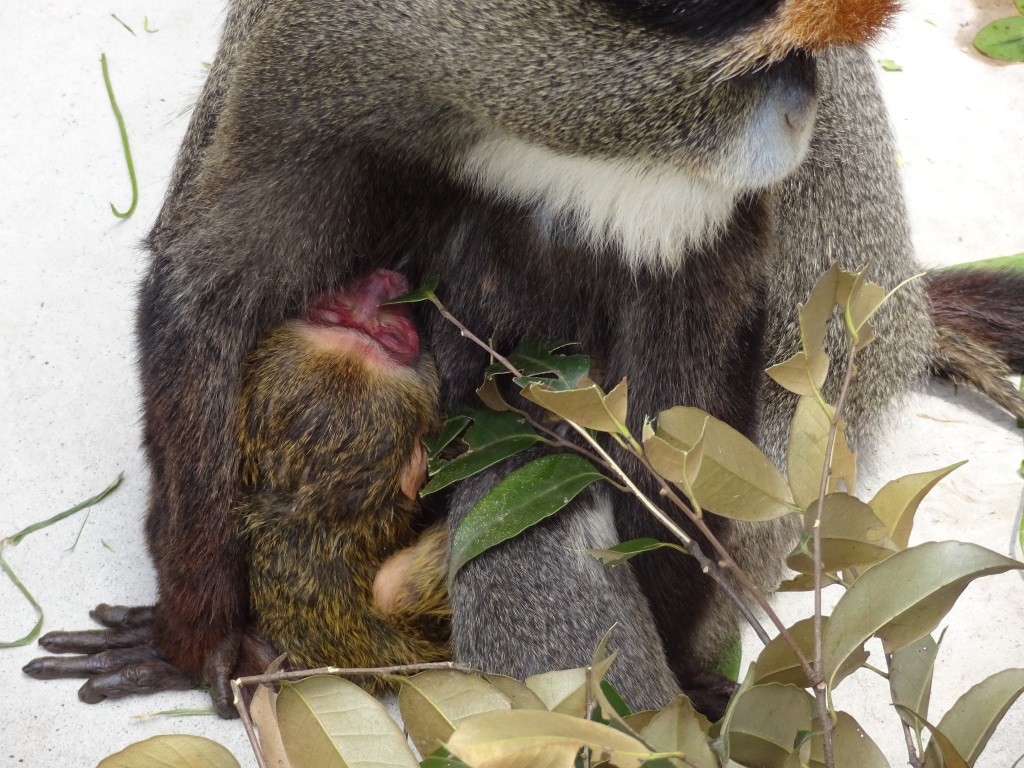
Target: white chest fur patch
[[649, 213]]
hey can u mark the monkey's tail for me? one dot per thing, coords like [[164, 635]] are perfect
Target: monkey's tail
[[979, 322]]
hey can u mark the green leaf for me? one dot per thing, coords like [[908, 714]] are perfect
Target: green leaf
[[490, 395], [618, 704], [16, 538], [541, 358], [804, 582], [805, 372], [851, 536], [731, 662], [426, 292], [114, 16], [553, 688], [859, 299], [588, 405], [852, 747], [805, 457], [1020, 6], [533, 492], [766, 722], [910, 677], [565, 691], [442, 759], [970, 722], [675, 465], [905, 597], [606, 712], [525, 737], [897, 501], [124, 142], [172, 751], [720, 744], [1003, 39], [778, 664], [622, 552], [453, 427], [1013, 263], [433, 703], [492, 438], [680, 728], [329, 722], [889, 65], [951, 758], [515, 691], [736, 479]]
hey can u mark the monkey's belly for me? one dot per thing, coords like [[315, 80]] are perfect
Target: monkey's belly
[[311, 595]]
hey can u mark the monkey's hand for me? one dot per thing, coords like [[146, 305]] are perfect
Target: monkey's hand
[[123, 659]]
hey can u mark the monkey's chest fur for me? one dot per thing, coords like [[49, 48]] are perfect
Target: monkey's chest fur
[[323, 444]]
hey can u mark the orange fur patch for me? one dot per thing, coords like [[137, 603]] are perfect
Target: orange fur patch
[[807, 25], [813, 24]]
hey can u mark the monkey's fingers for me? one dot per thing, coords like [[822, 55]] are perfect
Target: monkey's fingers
[[217, 672], [123, 616], [58, 667], [150, 676], [96, 640]]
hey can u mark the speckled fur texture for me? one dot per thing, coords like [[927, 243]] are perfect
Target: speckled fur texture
[[324, 439], [335, 138]]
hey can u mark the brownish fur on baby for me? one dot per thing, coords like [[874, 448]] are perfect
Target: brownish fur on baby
[[328, 440]]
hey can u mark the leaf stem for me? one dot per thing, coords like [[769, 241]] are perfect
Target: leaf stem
[[908, 734], [818, 678], [473, 337]]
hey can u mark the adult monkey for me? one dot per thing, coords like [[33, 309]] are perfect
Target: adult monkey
[[660, 180]]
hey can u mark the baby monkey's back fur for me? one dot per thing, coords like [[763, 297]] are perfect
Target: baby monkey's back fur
[[326, 440]]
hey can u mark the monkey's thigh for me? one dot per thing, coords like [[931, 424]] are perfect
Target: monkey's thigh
[[539, 602]]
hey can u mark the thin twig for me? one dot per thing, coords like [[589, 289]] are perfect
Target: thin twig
[[561, 441], [473, 337], [908, 734], [818, 681], [250, 731], [400, 669]]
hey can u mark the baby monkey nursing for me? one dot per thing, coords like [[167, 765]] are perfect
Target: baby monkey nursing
[[333, 410]]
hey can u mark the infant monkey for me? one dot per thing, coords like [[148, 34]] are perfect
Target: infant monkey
[[332, 414], [333, 410]]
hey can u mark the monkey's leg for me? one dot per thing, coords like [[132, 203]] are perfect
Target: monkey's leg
[[120, 659], [410, 588], [539, 602]]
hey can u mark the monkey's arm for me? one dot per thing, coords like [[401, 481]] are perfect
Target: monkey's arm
[[195, 326]]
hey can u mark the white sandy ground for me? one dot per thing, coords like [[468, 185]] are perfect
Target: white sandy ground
[[69, 397]]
